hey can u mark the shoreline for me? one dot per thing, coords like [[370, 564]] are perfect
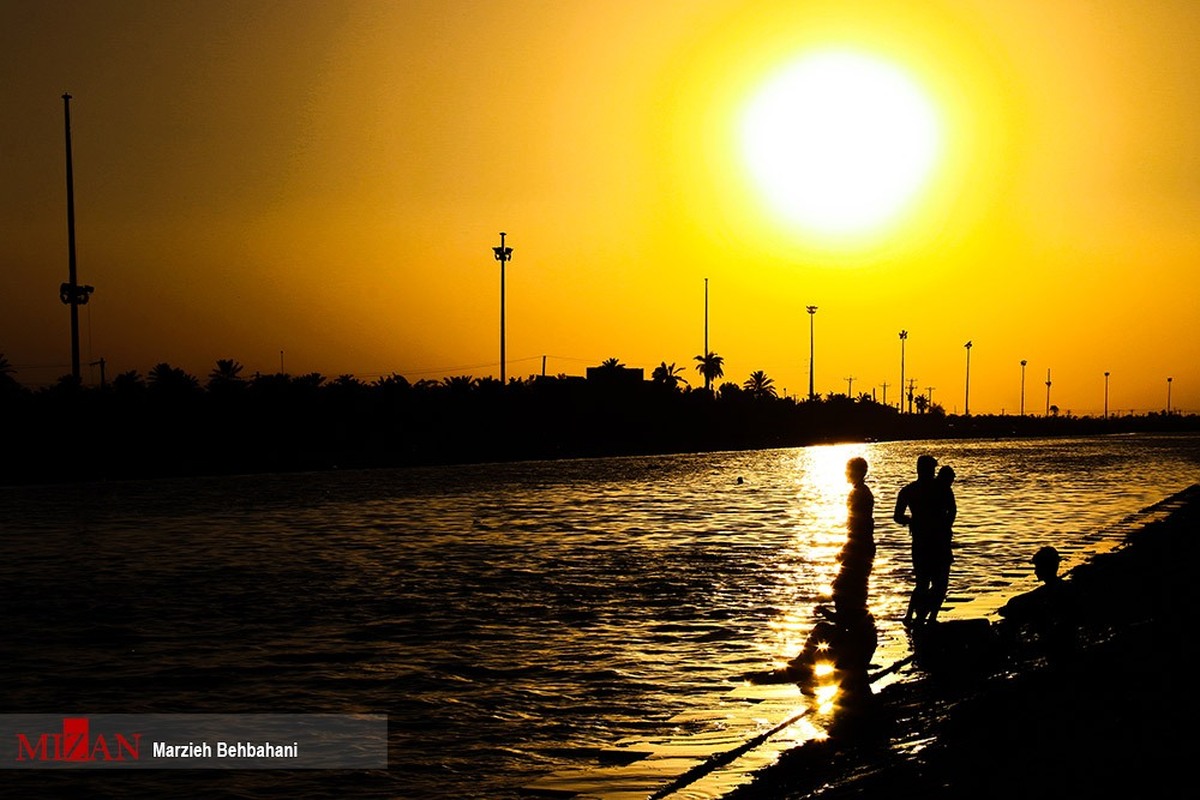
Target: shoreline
[[1116, 716]]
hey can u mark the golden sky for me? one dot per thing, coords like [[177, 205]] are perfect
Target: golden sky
[[328, 179]]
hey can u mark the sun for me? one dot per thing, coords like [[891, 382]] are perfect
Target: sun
[[840, 142]]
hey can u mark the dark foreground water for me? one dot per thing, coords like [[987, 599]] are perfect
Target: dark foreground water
[[509, 619]]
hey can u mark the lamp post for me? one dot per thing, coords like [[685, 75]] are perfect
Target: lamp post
[[1023, 363], [704, 354], [812, 315], [1047, 391], [1106, 395], [903, 338], [71, 293], [1169, 395], [967, 401], [503, 255]]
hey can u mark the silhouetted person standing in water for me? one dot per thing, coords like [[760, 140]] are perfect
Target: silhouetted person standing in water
[[941, 553], [846, 637], [858, 554], [919, 506]]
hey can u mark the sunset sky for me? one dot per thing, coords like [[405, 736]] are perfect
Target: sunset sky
[[328, 179]]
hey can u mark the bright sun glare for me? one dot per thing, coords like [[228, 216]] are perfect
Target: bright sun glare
[[839, 142]]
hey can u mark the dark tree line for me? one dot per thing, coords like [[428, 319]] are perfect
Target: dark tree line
[[169, 422]]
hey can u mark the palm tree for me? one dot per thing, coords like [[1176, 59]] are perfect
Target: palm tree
[[129, 382], [226, 374], [310, 380], [669, 376], [921, 402], [167, 379], [759, 385], [460, 383], [711, 367], [392, 382], [611, 363]]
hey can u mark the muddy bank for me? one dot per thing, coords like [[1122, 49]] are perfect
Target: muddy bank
[[1115, 712]]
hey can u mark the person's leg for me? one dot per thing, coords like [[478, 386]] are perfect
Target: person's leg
[[938, 588]]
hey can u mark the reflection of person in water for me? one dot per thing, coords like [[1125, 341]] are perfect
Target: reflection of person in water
[[922, 507]]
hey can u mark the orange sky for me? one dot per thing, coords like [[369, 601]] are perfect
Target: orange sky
[[329, 178]]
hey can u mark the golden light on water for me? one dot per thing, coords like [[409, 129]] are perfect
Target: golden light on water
[[826, 694], [840, 141]]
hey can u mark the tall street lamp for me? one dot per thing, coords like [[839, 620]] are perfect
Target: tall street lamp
[[903, 338], [1047, 391], [71, 293], [1023, 363], [967, 401], [812, 315], [707, 379], [503, 255]]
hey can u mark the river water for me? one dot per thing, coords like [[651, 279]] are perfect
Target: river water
[[509, 619]]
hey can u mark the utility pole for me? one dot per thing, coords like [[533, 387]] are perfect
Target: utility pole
[[71, 293], [912, 382], [1106, 395], [1169, 395], [503, 255], [903, 339], [850, 387], [99, 363], [1047, 391], [885, 385], [929, 396]]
